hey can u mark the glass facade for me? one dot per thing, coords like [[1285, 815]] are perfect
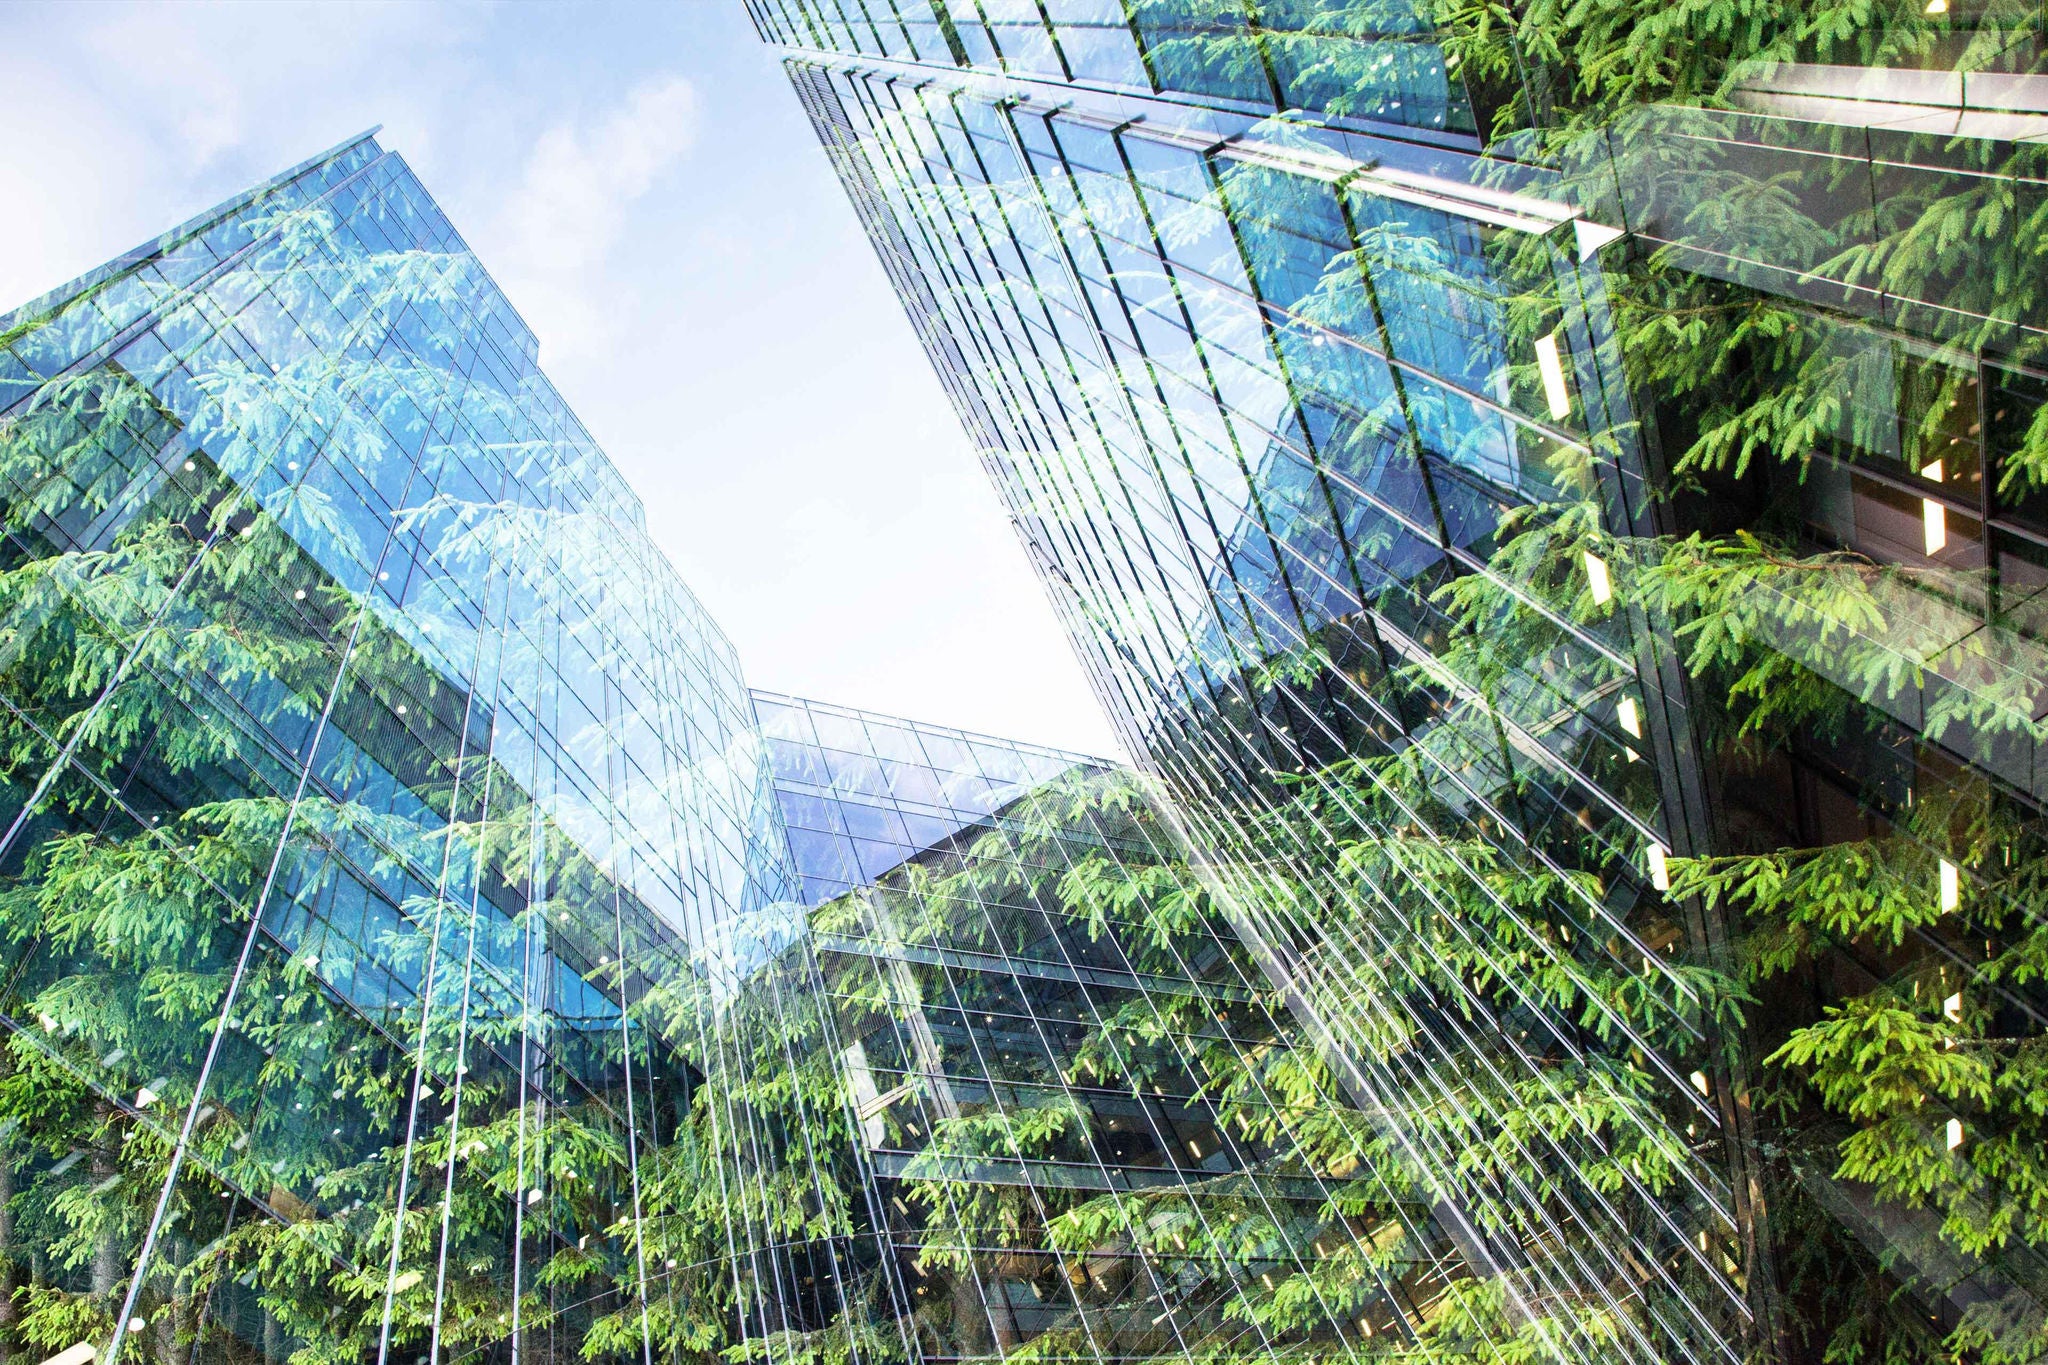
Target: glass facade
[[423, 947], [1082, 1127], [384, 841], [1554, 494], [861, 793]]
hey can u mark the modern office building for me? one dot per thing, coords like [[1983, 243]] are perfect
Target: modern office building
[[385, 841], [1555, 495], [1082, 1126]]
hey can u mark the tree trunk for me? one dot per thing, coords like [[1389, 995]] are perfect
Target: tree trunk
[[172, 1322], [970, 1319], [106, 1258], [996, 1289], [8, 1279], [164, 1343]]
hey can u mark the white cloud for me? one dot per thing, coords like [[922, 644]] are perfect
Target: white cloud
[[129, 117], [59, 223], [580, 182], [222, 76]]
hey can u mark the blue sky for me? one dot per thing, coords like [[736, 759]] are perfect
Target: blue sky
[[642, 182]]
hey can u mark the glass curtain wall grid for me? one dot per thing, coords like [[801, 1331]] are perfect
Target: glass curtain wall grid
[[1560, 505], [384, 846], [861, 794], [1079, 1123]]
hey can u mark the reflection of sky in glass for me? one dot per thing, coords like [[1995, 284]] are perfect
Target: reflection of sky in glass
[[861, 793]]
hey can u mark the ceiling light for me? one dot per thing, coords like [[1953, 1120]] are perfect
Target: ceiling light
[[1598, 579], [1551, 364]]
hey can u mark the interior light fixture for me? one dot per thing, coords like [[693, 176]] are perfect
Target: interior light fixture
[[1630, 720], [1699, 1083], [74, 1355], [1952, 1008], [1598, 579], [1937, 6], [1933, 516], [1660, 873], [1933, 525], [1955, 1134], [1551, 364], [1592, 236]]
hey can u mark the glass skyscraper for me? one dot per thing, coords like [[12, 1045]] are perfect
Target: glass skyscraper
[[385, 838], [1554, 493], [1083, 1127]]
